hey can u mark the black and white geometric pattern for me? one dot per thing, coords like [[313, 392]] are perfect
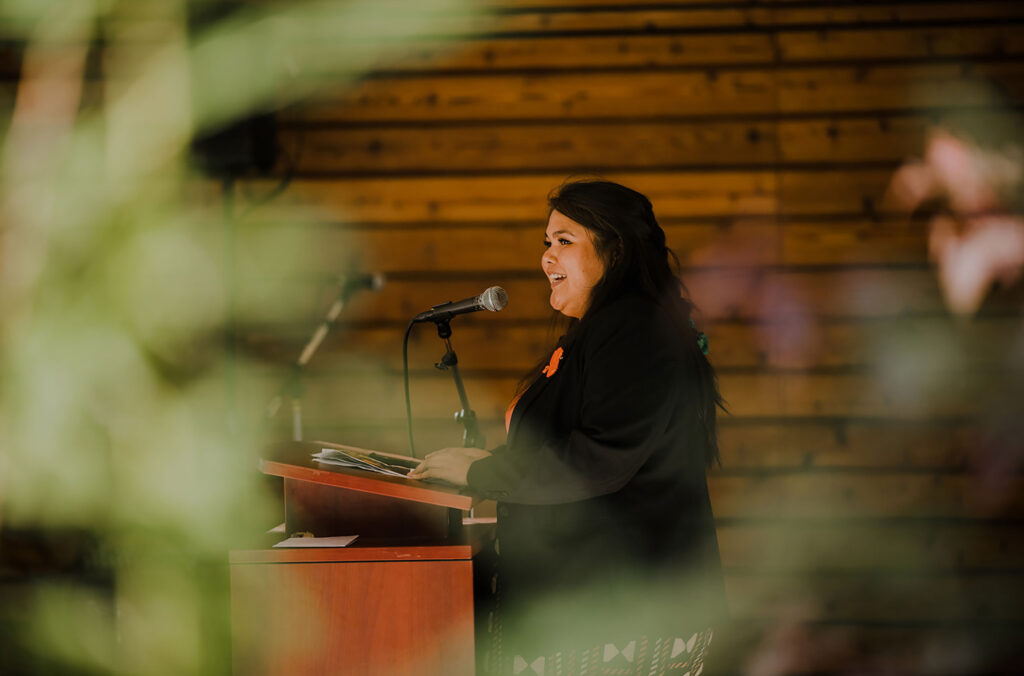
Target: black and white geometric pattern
[[639, 657]]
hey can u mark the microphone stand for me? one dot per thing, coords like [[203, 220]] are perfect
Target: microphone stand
[[292, 387], [472, 437]]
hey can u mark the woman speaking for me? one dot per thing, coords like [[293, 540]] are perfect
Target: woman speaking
[[607, 557]]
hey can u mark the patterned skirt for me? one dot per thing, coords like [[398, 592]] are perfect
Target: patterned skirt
[[642, 656]]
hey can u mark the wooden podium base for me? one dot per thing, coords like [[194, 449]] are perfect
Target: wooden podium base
[[398, 602], [373, 611]]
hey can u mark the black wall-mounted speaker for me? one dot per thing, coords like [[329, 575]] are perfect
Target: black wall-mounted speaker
[[246, 147]]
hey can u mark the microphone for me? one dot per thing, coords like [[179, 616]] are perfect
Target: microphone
[[492, 299]]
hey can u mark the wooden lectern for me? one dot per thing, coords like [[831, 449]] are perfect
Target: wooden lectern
[[399, 600]]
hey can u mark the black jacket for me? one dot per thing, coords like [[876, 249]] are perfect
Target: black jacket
[[604, 522]]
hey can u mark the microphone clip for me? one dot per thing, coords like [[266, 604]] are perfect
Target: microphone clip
[[449, 359]]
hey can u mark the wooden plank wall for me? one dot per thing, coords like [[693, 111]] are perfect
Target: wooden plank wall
[[857, 530]]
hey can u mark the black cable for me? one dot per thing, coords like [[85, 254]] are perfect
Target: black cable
[[405, 370]]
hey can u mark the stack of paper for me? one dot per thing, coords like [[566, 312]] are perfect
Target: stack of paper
[[372, 462]]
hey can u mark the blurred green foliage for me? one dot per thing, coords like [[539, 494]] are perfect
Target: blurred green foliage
[[121, 439]]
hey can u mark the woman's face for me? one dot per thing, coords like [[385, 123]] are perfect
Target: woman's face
[[571, 264]]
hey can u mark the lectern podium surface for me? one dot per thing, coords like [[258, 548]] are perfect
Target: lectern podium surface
[[397, 601], [328, 500]]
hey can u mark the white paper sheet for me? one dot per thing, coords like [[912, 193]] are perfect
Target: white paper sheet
[[337, 541]]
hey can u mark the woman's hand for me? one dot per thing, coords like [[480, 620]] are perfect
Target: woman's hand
[[448, 464]]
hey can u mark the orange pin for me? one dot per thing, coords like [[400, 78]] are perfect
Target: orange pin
[[552, 366]]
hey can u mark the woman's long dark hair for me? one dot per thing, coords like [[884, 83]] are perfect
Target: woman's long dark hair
[[636, 260]]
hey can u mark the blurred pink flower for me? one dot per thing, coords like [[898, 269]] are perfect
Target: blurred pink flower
[[977, 242]]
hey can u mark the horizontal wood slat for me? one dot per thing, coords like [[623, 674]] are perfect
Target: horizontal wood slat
[[643, 94], [802, 193], [898, 87], [970, 547], [510, 97], [379, 396], [745, 445], [629, 50], [843, 443], [896, 13], [519, 198], [900, 43], [572, 147], [591, 52], [729, 293], [563, 18], [869, 495], [494, 344], [813, 5], [865, 240], [563, 146], [728, 242], [453, 248]]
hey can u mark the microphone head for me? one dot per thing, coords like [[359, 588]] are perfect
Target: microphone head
[[494, 298]]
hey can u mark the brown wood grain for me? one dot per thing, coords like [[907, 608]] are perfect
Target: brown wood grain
[[856, 240], [659, 16], [403, 617], [293, 462], [379, 396], [558, 145], [740, 241], [733, 242], [352, 553], [864, 494], [542, 52], [730, 242], [548, 96], [897, 42], [795, 295], [895, 13], [894, 87], [843, 443], [746, 445], [642, 18], [516, 198], [645, 94], [832, 139], [880, 547], [586, 51], [777, 5], [687, 193], [516, 347], [835, 190], [595, 51]]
